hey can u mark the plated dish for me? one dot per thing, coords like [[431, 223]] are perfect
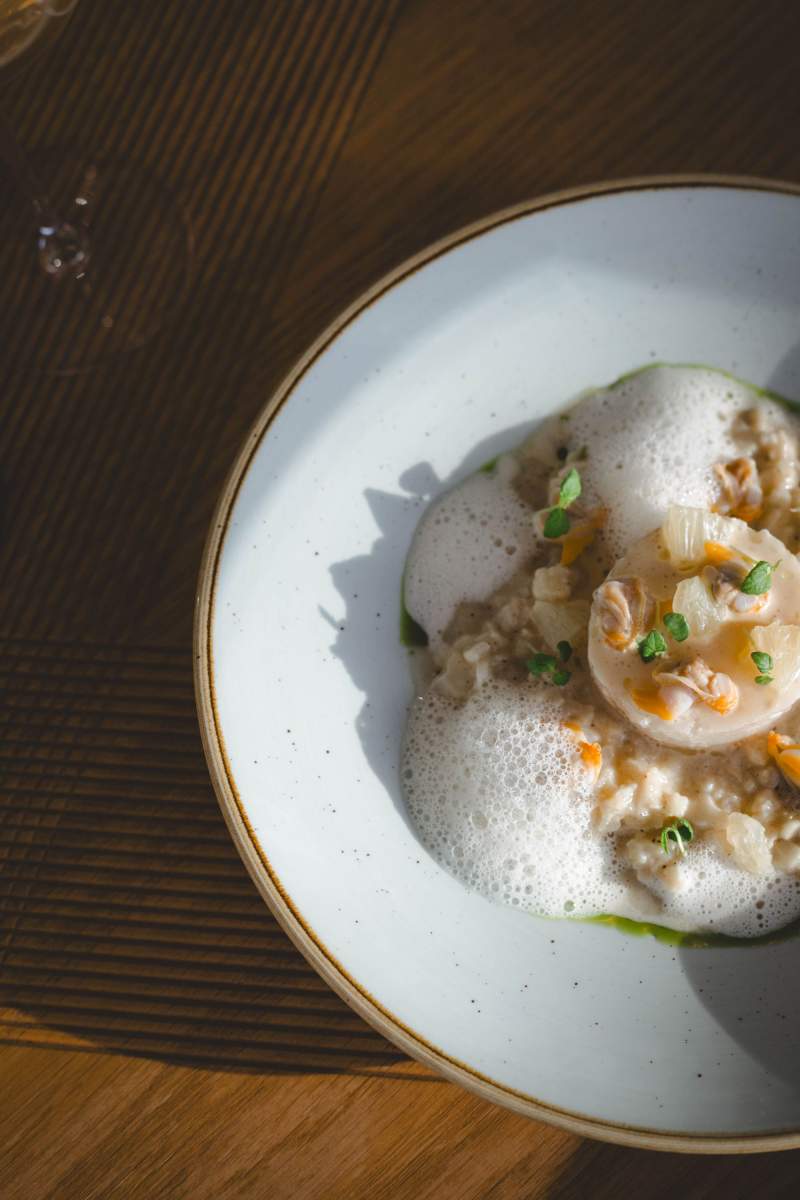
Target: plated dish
[[303, 685]]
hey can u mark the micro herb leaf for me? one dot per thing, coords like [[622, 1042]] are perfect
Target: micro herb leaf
[[675, 834], [758, 580], [556, 523], [561, 677], [542, 664], [564, 651], [570, 488], [677, 625], [685, 829], [652, 646], [763, 679], [762, 660]]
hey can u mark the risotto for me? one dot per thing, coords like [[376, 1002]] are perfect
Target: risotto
[[610, 722]]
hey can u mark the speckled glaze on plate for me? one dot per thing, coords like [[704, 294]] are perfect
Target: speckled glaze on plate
[[302, 683]]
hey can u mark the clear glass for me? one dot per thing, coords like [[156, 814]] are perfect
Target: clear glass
[[95, 255], [24, 23]]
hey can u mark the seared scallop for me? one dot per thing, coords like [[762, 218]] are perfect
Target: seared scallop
[[712, 654]]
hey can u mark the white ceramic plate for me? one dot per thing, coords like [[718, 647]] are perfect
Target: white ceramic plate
[[302, 683]]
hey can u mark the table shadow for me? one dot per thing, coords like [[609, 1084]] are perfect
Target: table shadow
[[127, 920], [601, 1171]]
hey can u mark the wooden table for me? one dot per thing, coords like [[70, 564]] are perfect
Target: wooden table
[[160, 1036]]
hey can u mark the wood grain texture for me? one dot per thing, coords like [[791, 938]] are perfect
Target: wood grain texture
[[129, 922], [158, 1034]]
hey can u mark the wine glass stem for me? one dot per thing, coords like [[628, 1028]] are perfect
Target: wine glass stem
[[63, 242], [27, 179]]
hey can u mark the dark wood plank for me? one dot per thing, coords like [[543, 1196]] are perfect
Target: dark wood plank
[[241, 110], [128, 922]]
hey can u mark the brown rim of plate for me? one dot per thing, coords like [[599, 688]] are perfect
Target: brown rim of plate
[[255, 859]]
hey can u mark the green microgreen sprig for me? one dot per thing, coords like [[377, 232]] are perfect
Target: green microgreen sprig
[[764, 666], [676, 836], [652, 646], [677, 626], [758, 579], [548, 665], [557, 522]]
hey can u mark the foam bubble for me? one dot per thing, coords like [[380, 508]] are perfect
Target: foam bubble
[[721, 898], [652, 441], [498, 796], [497, 793], [466, 545]]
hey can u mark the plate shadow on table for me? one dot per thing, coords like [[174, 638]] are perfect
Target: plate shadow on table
[[127, 920], [605, 1172]]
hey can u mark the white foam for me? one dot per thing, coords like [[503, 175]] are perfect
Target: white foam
[[466, 545], [497, 793], [721, 898], [651, 442]]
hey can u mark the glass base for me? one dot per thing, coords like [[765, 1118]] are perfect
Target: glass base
[[133, 280]]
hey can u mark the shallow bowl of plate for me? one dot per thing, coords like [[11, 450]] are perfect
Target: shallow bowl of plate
[[303, 684]]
